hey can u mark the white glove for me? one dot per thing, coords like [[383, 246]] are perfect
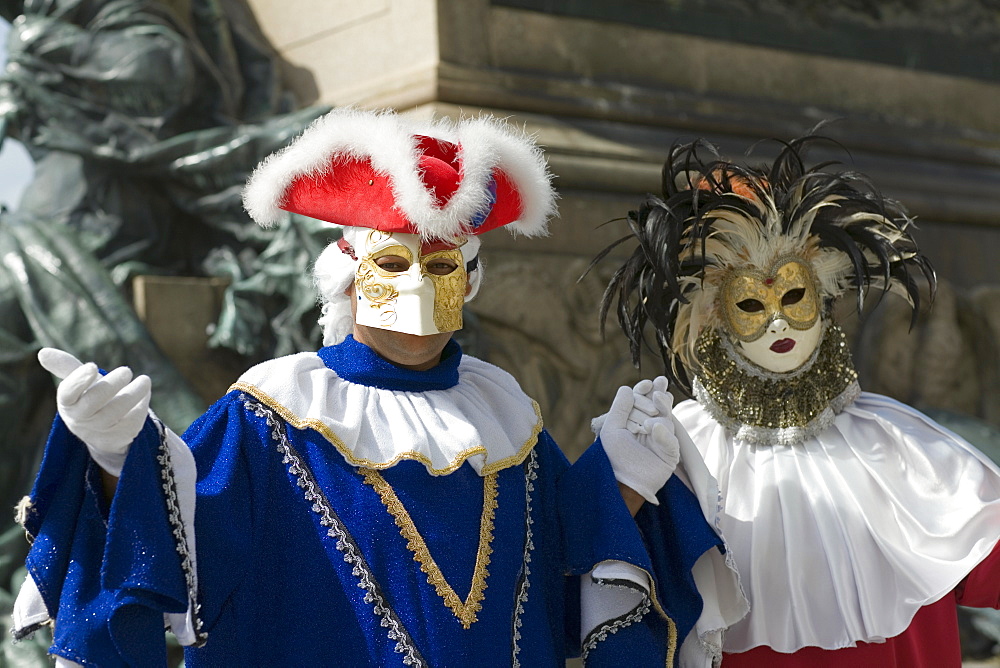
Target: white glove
[[105, 412], [638, 437]]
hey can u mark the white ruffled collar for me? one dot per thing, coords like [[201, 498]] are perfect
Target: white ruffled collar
[[841, 538], [484, 418]]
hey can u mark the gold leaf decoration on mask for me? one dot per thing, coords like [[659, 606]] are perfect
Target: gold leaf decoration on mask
[[374, 288], [449, 289]]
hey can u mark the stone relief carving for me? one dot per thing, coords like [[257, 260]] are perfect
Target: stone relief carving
[[949, 361]]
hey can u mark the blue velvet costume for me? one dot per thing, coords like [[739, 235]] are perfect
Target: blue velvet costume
[[299, 562]]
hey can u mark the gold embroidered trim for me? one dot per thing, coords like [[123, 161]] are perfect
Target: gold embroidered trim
[[464, 611], [671, 642], [327, 433]]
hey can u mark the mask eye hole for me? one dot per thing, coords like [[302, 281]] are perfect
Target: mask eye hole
[[793, 296], [750, 306], [440, 267], [392, 263]]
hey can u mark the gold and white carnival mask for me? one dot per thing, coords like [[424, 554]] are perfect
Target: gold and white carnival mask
[[773, 315], [407, 286]]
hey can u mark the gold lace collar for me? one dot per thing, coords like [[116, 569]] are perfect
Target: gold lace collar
[[766, 408], [466, 610]]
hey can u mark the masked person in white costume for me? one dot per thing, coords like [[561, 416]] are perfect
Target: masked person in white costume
[[384, 501], [855, 523]]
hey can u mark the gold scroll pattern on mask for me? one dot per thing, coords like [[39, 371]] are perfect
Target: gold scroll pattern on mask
[[381, 294]]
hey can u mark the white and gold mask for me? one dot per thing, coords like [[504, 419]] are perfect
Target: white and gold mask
[[407, 286], [773, 315]]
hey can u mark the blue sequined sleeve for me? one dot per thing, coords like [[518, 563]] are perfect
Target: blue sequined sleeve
[[665, 541], [106, 574]]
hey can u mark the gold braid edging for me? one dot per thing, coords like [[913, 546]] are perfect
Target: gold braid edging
[[464, 611], [671, 642]]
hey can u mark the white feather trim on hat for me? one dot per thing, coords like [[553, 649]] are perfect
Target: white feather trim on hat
[[348, 132], [388, 141], [516, 153]]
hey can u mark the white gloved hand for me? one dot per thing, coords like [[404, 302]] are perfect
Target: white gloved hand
[[105, 412], [638, 437]]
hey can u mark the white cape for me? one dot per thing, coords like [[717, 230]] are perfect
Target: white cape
[[840, 539]]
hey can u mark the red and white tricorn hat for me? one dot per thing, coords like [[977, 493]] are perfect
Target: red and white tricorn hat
[[383, 171]]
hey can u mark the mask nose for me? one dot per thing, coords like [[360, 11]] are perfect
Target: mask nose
[[778, 326]]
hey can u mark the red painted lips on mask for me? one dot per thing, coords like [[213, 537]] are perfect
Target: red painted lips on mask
[[783, 345]]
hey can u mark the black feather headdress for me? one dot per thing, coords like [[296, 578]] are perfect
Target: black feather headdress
[[715, 216]]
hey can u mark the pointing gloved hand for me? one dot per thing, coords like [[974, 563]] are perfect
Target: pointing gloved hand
[[638, 436], [105, 412]]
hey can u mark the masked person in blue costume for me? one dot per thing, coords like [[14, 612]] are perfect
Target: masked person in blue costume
[[384, 501]]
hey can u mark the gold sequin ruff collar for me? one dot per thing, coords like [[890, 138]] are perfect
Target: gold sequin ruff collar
[[761, 407]]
